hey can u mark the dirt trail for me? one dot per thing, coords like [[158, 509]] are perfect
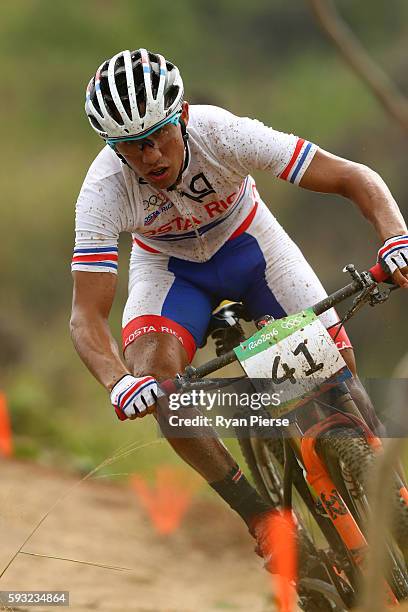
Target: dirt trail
[[207, 565]]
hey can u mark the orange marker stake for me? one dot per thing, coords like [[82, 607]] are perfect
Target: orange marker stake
[[6, 444], [284, 560], [168, 500]]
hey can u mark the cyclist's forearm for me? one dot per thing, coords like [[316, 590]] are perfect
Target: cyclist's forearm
[[97, 348], [372, 196]]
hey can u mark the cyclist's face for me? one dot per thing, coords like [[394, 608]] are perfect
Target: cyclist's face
[[159, 157]]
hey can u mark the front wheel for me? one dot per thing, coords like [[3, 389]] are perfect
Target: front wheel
[[350, 460], [316, 591]]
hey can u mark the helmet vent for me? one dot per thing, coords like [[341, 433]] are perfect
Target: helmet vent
[[124, 105]]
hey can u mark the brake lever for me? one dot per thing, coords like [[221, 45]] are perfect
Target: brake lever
[[371, 293]]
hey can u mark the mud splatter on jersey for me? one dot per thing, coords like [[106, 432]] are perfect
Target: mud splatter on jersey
[[215, 197]]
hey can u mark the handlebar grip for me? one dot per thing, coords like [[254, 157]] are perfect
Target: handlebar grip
[[168, 387], [378, 273]]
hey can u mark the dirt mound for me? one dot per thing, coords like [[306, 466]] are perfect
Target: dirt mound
[[206, 565]]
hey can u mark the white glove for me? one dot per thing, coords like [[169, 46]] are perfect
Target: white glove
[[394, 253], [132, 396]]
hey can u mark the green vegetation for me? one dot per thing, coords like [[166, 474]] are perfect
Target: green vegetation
[[264, 59]]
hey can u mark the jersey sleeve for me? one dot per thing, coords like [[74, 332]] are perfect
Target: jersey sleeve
[[247, 145], [98, 222]]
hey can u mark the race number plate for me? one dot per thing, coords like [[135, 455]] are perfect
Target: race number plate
[[294, 356]]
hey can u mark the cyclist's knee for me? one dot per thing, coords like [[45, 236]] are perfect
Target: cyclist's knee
[[349, 358], [159, 355], [156, 354]]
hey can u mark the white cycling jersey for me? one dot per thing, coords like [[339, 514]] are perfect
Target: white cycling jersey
[[215, 196]]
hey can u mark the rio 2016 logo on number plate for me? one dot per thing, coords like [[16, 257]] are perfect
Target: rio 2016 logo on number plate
[[294, 356]]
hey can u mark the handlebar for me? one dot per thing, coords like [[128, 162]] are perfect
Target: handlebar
[[378, 273]]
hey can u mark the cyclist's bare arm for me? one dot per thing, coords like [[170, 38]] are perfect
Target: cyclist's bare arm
[[92, 301], [331, 174]]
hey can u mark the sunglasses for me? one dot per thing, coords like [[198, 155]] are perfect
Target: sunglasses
[[174, 120]]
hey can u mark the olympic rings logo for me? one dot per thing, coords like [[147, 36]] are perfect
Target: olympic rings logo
[[291, 323]]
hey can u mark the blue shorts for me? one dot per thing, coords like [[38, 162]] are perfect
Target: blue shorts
[[262, 268]]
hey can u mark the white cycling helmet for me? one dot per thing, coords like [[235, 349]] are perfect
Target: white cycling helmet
[[133, 94]]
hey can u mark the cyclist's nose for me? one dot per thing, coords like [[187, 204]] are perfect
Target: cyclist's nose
[[151, 154]]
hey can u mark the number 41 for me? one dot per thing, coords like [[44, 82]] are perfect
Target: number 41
[[288, 371]]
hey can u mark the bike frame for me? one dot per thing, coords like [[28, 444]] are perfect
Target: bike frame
[[317, 474]]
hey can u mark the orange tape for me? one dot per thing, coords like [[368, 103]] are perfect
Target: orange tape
[[168, 500], [6, 443], [283, 542]]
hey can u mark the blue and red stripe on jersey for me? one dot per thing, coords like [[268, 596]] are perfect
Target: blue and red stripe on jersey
[[202, 229], [106, 257], [291, 171], [240, 230], [205, 228]]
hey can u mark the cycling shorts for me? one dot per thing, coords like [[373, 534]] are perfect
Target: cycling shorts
[[259, 266]]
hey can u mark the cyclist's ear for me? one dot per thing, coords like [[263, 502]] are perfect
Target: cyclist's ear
[[185, 113]]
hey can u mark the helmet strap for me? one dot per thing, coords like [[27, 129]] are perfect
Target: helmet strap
[[185, 136], [184, 131], [122, 159]]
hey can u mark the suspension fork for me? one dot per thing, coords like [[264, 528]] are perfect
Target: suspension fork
[[342, 519]]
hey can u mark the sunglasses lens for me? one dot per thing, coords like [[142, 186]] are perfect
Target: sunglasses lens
[[173, 120]]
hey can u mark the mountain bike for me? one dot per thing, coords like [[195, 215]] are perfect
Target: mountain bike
[[319, 468]]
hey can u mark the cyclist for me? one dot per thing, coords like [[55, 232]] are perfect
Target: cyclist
[[178, 179]]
